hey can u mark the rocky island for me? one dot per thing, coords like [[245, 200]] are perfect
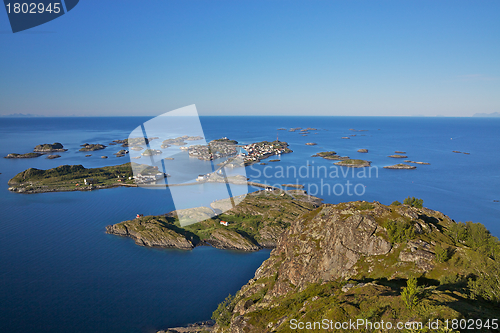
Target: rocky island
[[398, 156], [215, 149], [92, 147], [179, 141], [421, 163], [71, 178], [353, 163], [363, 150], [40, 150], [254, 223], [121, 153], [27, 155], [371, 262], [326, 155], [49, 148], [264, 149], [151, 152], [400, 166], [330, 155]]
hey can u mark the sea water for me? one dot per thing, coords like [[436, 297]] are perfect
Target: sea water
[[59, 271]]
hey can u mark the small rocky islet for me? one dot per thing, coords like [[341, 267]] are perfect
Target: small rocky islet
[[49, 148], [400, 166], [353, 163], [40, 150], [180, 141], [330, 155], [415, 162], [121, 153], [92, 147], [27, 155]]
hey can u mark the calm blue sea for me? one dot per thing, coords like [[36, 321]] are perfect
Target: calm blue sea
[[59, 271]]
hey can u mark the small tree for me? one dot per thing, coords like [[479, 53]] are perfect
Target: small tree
[[414, 202], [410, 292], [458, 231], [442, 253], [222, 315]]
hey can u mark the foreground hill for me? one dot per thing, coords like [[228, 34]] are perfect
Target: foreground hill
[[359, 260]]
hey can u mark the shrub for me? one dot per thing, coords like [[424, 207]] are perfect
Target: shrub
[[410, 293], [414, 202], [399, 231], [442, 253], [222, 315], [365, 205], [485, 286], [396, 203], [458, 232], [477, 237]]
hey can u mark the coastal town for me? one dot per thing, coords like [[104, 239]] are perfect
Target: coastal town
[[215, 149], [262, 150]]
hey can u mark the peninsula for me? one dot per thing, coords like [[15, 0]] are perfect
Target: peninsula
[[256, 222]]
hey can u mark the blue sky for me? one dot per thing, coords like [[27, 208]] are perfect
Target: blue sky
[[252, 57]]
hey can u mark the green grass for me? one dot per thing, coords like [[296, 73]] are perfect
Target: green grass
[[66, 176]]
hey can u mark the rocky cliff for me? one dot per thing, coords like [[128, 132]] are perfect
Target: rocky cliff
[[151, 232], [254, 223], [351, 260]]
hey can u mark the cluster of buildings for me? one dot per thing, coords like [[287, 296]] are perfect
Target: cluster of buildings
[[214, 150], [261, 150], [149, 175]]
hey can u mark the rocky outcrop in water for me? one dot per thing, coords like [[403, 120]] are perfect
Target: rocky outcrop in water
[[151, 232], [92, 147], [400, 166], [27, 155], [48, 148], [353, 163]]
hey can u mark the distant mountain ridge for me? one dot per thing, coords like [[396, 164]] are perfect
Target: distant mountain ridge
[[493, 114], [19, 115]]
